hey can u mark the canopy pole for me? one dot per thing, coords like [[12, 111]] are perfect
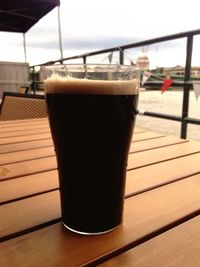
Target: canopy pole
[[60, 35], [24, 43]]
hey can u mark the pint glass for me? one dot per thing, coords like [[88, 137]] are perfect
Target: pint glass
[[91, 111]]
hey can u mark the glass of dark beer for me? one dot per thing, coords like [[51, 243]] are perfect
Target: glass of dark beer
[[92, 110]]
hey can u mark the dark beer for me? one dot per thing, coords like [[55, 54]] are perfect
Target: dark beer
[[92, 125]]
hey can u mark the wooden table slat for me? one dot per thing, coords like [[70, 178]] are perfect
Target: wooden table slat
[[24, 155], [7, 148], [25, 122], [139, 130], [19, 127], [146, 213], [152, 156], [146, 135], [31, 137], [28, 185], [135, 146], [137, 160], [155, 143], [161, 202], [137, 180], [24, 132], [168, 249], [155, 175], [28, 167], [29, 212]]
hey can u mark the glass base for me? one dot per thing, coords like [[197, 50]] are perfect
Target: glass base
[[86, 233]]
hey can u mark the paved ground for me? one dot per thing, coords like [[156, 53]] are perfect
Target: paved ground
[[171, 103]]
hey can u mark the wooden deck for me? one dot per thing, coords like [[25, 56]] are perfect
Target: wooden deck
[[161, 215]]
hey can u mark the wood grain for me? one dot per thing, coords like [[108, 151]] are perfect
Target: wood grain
[[24, 132], [29, 212], [28, 185], [30, 137], [28, 167], [145, 136], [141, 159], [21, 127], [144, 214], [177, 247], [162, 192], [156, 175], [25, 155], [7, 148], [155, 143], [23, 123]]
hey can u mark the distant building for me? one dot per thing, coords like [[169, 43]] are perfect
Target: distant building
[[142, 62], [178, 71]]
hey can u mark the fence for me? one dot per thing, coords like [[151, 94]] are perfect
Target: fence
[[186, 83]]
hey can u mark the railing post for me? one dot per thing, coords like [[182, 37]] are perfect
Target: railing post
[[84, 60], [33, 84], [186, 86], [121, 56]]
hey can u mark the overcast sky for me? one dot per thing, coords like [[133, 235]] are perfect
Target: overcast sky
[[92, 25]]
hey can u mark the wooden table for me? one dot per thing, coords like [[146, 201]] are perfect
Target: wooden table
[[161, 214]]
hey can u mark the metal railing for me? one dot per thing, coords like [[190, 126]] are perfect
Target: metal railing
[[186, 83]]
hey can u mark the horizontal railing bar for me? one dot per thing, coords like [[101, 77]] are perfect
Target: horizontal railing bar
[[175, 83], [162, 39], [160, 115], [128, 46], [168, 116], [192, 121]]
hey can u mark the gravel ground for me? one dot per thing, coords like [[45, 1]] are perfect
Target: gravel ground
[[169, 103]]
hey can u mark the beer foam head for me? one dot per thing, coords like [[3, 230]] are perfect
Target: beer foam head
[[69, 85]]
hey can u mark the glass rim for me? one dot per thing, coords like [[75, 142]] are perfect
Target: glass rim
[[91, 66]]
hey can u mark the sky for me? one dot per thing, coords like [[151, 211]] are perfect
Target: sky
[[92, 25]]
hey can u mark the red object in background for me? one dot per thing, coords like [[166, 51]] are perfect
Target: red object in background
[[166, 85]]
